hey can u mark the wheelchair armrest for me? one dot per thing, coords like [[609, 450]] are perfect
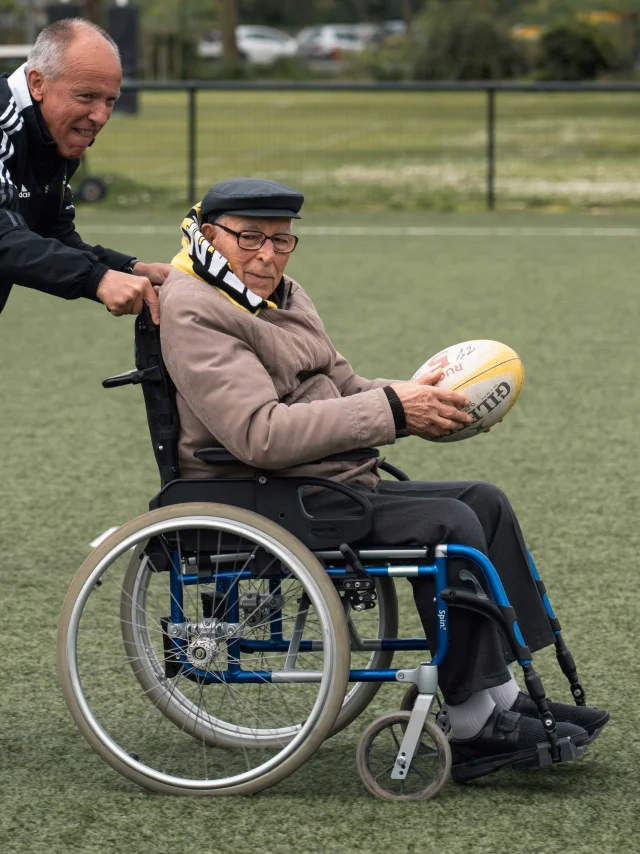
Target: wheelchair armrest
[[132, 377], [221, 455], [215, 455]]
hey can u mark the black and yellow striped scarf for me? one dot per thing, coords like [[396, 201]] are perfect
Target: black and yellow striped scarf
[[198, 258]]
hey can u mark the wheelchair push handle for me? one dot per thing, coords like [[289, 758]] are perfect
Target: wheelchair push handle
[[133, 377]]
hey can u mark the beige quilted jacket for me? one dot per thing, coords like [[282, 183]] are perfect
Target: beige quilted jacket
[[271, 388]]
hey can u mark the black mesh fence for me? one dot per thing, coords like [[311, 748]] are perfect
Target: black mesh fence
[[429, 147]]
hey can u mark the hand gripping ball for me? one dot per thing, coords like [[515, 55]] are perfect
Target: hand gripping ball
[[488, 373]]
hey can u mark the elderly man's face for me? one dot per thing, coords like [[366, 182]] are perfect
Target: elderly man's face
[[259, 269], [77, 105]]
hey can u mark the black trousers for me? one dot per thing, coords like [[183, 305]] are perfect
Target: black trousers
[[471, 513]]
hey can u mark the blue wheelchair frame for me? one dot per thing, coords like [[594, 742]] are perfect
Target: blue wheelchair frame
[[500, 611]]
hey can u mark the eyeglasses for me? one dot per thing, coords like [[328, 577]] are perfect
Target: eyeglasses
[[252, 240]]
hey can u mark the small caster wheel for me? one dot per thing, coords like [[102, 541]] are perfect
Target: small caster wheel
[[439, 711], [376, 756]]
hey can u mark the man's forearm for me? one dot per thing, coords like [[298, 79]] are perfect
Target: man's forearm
[[109, 257], [44, 263]]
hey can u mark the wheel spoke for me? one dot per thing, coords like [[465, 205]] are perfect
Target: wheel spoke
[[386, 771]]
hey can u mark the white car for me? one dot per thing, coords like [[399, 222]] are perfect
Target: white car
[[261, 45], [330, 41]]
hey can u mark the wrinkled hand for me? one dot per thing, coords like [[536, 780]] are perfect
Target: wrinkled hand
[[123, 293], [431, 411], [156, 273]]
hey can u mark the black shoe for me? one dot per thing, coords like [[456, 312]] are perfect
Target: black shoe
[[509, 738], [589, 718]]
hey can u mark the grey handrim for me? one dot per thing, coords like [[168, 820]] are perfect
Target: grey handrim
[[364, 747], [305, 568]]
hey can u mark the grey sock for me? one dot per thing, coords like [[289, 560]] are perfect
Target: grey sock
[[504, 696], [468, 718]]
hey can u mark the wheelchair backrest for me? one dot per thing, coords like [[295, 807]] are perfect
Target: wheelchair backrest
[[159, 397]]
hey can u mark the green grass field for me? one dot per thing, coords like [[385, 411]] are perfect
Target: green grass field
[[405, 150], [562, 290]]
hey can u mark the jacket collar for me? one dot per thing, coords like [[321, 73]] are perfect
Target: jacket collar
[[29, 108], [19, 88], [283, 291]]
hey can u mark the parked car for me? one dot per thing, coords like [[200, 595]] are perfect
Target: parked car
[[390, 31], [261, 45], [329, 41]]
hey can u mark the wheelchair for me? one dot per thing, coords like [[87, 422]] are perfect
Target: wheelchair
[[211, 645]]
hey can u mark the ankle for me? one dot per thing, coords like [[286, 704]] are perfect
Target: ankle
[[469, 718], [505, 695]]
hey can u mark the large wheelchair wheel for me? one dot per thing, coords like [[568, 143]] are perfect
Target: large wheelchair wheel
[[376, 624], [232, 630]]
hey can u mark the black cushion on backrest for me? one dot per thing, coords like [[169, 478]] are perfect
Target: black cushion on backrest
[[159, 398]]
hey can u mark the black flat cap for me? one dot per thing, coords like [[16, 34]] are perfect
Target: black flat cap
[[252, 197]]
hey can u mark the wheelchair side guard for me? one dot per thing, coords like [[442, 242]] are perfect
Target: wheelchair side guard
[[278, 499]]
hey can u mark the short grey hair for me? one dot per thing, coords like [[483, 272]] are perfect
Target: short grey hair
[[48, 52]]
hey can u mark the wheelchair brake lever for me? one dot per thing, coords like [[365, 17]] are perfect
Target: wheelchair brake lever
[[363, 580]]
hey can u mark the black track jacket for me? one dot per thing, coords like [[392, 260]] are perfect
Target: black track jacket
[[39, 246]]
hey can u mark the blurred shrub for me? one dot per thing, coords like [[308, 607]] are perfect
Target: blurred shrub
[[283, 68], [387, 61], [465, 40], [574, 51], [217, 69]]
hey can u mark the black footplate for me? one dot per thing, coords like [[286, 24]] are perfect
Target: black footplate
[[567, 751]]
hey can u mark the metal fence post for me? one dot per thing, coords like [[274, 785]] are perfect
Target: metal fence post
[[192, 151], [491, 147]]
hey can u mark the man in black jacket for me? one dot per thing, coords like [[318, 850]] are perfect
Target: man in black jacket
[[51, 110]]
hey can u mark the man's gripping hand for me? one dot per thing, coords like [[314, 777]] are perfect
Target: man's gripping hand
[[429, 410], [156, 273], [123, 293]]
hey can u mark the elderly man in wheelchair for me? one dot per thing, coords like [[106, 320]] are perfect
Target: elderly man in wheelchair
[[255, 604]]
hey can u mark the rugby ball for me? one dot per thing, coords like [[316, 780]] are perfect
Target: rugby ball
[[488, 373]]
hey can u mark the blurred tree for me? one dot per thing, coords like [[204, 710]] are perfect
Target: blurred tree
[[12, 26], [170, 31], [574, 51], [293, 14], [93, 11], [549, 11], [464, 40], [228, 20]]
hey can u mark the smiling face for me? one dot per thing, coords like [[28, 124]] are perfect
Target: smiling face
[[78, 104], [259, 269]]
